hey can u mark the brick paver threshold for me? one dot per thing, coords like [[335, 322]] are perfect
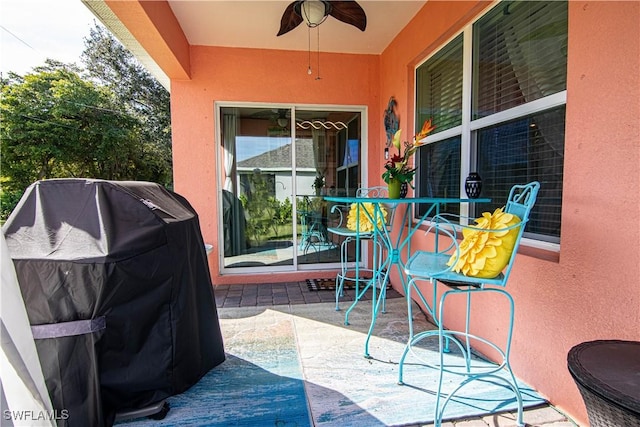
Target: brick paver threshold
[[266, 294]]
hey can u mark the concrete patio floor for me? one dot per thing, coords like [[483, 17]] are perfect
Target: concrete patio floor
[[264, 295]]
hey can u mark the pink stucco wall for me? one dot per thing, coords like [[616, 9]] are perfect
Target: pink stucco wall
[[591, 289], [250, 75]]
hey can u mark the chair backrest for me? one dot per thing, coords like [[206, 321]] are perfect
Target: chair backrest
[[342, 210], [374, 192], [379, 192], [520, 202]]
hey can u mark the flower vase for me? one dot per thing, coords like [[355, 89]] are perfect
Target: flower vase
[[393, 187]]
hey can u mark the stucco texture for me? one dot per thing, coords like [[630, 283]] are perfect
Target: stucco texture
[[591, 288]]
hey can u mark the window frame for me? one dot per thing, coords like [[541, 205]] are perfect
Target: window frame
[[467, 130], [296, 109]]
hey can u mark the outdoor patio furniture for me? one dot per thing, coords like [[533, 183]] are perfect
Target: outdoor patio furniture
[[361, 277], [313, 226], [607, 373], [394, 238], [452, 264]]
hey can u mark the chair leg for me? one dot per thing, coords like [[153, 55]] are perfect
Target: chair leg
[[381, 276], [413, 337], [340, 277], [463, 342], [466, 349], [339, 290], [361, 284]]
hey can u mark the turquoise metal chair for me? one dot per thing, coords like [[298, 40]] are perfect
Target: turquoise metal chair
[[433, 266], [362, 277], [313, 230]]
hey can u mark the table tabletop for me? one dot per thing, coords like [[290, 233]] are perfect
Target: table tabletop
[[609, 369], [406, 200]]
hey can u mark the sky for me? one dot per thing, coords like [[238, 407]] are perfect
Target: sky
[[33, 30]]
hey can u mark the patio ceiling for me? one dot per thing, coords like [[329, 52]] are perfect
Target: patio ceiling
[[255, 23]]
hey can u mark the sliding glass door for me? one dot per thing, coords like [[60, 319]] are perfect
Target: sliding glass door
[[276, 166]]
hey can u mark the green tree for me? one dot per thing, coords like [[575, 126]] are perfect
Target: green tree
[[260, 209], [110, 64], [55, 124], [110, 120]]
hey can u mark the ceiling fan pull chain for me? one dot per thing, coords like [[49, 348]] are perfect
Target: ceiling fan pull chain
[[309, 49], [318, 75]]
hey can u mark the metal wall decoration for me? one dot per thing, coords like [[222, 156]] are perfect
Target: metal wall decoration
[[319, 124], [391, 123]]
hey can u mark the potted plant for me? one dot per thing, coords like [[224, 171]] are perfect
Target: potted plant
[[398, 170], [318, 184]]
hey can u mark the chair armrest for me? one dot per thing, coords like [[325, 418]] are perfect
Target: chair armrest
[[434, 263], [340, 209], [487, 247], [442, 226], [454, 221]]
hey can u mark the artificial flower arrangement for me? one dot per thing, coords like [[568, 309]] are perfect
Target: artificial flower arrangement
[[398, 167]]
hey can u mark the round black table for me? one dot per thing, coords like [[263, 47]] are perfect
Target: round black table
[[607, 373]]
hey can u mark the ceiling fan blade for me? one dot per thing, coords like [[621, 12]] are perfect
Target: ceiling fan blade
[[290, 19], [349, 12]]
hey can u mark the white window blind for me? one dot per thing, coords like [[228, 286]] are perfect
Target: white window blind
[[439, 83], [521, 151], [439, 172], [521, 55]]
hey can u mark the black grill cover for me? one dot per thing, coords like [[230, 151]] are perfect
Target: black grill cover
[[129, 253]]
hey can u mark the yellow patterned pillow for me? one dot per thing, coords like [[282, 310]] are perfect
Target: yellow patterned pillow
[[365, 222], [485, 254]]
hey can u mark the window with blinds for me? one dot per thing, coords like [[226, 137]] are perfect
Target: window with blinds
[[514, 130], [521, 55], [439, 83], [521, 151], [439, 173]]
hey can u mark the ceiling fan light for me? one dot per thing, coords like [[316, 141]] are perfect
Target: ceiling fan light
[[314, 12], [282, 122]]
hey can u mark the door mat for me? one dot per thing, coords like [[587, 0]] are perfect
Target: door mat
[[330, 285]]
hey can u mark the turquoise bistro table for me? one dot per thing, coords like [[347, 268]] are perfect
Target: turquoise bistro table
[[394, 239]]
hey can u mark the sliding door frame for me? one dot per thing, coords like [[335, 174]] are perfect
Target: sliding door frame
[[364, 152]]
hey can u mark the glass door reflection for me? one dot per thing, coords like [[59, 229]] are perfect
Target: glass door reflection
[[277, 166]]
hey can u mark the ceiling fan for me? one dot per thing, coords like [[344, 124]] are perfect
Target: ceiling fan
[[314, 12], [280, 116]]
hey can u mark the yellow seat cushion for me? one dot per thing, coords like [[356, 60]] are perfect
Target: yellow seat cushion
[[365, 223], [485, 254]]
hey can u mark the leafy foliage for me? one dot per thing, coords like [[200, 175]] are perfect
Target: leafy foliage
[[266, 215], [112, 122], [54, 124], [398, 167], [141, 95]]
